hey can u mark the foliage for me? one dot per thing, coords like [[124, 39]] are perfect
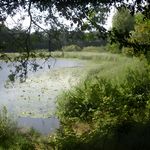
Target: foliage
[[128, 51], [113, 48], [108, 110], [137, 39], [115, 111], [123, 23], [102, 95], [87, 14], [12, 40], [65, 6], [71, 48], [94, 49], [9, 133], [6, 127], [12, 137], [141, 35]]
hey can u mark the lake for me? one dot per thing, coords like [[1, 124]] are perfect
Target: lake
[[33, 103]]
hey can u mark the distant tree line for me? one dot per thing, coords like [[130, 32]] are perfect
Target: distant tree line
[[12, 40]]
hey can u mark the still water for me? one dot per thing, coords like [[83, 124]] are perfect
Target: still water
[[33, 103]]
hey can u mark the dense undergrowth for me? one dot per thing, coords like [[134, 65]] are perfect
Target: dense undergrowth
[[109, 109]]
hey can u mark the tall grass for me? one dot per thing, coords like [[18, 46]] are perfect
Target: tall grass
[[94, 49], [71, 48]]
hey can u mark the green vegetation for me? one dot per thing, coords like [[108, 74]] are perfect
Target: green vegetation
[[141, 35], [122, 24], [129, 34], [71, 48], [94, 49], [108, 110], [14, 138], [123, 21]]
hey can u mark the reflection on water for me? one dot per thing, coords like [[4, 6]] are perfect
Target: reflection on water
[[33, 102], [42, 125]]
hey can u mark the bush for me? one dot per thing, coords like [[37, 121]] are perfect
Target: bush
[[94, 49], [71, 48], [113, 48], [99, 94], [114, 111], [7, 128], [128, 51]]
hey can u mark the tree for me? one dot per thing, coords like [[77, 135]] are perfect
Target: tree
[[123, 23], [12, 40], [140, 37], [75, 10], [87, 14]]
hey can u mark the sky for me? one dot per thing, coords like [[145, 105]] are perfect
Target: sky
[[12, 22], [109, 20]]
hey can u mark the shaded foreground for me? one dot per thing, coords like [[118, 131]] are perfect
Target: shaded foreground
[[109, 109]]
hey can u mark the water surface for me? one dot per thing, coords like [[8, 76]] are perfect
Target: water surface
[[33, 102]]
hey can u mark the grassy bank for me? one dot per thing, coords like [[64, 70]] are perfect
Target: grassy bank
[[72, 51]]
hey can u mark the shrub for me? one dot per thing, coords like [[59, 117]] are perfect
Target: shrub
[[7, 128], [102, 95], [94, 49], [113, 111], [71, 48], [113, 48], [128, 51]]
